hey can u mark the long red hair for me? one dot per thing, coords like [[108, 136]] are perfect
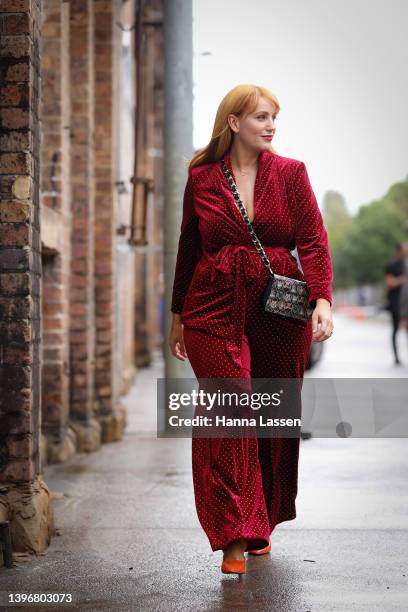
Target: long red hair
[[240, 101]]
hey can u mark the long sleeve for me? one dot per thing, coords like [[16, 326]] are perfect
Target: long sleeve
[[189, 249], [311, 239]]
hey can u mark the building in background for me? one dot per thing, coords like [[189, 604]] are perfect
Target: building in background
[[81, 205]]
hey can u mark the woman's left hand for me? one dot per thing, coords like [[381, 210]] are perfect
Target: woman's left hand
[[322, 314]]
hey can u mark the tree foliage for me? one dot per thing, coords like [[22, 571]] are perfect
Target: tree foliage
[[361, 245]]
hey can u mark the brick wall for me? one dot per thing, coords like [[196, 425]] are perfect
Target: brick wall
[[20, 260], [82, 312], [55, 224], [75, 298], [104, 204]]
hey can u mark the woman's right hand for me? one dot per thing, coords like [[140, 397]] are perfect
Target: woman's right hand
[[176, 340]]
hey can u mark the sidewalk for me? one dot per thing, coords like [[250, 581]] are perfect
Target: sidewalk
[[129, 538]]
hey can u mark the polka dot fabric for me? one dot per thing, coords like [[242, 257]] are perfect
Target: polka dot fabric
[[245, 486]]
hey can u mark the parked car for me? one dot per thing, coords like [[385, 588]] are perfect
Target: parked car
[[316, 348], [315, 354]]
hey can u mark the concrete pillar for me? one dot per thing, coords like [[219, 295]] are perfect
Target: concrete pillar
[[178, 146], [125, 277]]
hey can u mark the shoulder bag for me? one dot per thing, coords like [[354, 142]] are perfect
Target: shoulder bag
[[282, 295]]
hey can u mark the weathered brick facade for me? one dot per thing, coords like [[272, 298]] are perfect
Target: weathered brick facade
[[106, 394], [79, 306], [59, 438], [20, 278], [82, 305]]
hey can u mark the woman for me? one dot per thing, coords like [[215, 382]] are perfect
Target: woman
[[244, 488]]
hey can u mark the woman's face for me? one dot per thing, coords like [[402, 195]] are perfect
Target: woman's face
[[251, 129]]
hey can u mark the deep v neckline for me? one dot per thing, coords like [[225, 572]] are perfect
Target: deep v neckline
[[227, 159]]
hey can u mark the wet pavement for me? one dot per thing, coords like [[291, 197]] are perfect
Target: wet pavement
[[129, 538]]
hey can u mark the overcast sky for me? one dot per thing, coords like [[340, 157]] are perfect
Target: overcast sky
[[339, 71]]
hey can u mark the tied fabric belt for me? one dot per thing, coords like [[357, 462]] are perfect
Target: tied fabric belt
[[240, 261]]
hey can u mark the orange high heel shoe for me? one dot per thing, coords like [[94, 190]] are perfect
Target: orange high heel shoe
[[235, 566], [261, 551]]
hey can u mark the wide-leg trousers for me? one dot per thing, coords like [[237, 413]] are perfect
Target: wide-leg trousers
[[244, 487]]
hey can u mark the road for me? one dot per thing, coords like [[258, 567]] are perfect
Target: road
[[362, 349]]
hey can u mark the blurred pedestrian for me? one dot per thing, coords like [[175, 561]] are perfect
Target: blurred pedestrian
[[395, 277], [403, 310]]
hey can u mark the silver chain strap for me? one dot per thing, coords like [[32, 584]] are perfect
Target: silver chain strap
[[244, 213]]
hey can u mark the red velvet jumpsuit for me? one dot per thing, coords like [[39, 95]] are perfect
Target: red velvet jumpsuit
[[244, 487]]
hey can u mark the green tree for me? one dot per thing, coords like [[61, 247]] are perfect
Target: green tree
[[371, 240], [361, 245], [337, 218]]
